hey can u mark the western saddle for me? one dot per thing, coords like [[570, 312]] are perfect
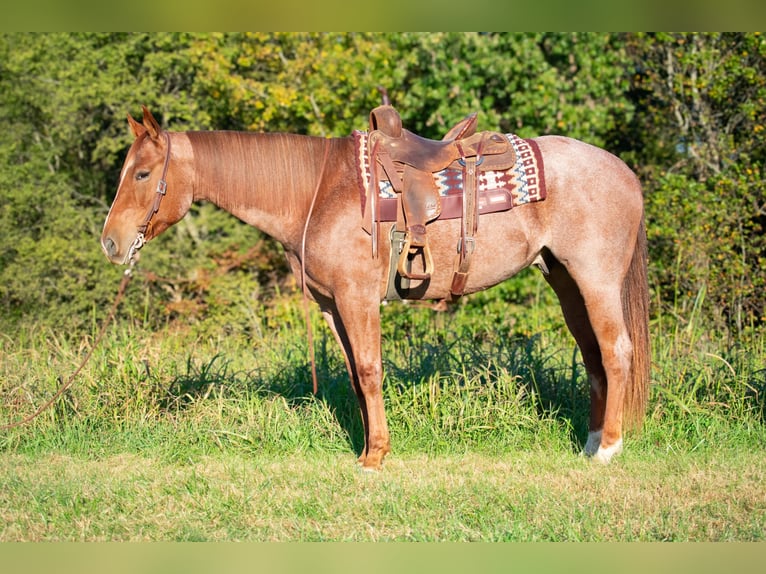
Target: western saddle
[[409, 162]]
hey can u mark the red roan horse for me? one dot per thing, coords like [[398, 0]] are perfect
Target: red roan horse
[[588, 236]]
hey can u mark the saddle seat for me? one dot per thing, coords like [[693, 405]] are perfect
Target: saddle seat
[[409, 162], [461, 141]]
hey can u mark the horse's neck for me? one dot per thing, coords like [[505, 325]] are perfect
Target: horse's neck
[[266, 180]]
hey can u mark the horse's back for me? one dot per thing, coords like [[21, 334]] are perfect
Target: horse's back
[[593, 208], [577, 165]]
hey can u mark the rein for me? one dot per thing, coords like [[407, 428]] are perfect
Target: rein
[[303, 268], [162, 186], [127, 275], [62, 389]]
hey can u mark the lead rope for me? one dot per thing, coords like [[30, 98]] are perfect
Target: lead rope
[[303, 269], [62, 389], [137, 244]]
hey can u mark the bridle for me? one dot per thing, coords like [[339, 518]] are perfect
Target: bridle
[[160, 191], [162, 186]]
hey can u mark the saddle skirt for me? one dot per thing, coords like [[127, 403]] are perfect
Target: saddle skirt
[[523, 183]]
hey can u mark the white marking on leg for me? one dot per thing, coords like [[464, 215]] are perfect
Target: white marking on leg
[[604, 455]]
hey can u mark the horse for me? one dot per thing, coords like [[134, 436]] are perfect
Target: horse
[[588, 237]]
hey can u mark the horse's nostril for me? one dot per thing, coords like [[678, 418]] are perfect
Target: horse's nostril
[[109, 246]]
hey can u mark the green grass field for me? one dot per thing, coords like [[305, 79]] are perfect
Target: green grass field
[[199, 433]]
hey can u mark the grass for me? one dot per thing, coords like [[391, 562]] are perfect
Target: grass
[[523, 496], [191, 435]]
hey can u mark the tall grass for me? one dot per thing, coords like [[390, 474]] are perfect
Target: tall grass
[[506, 378]]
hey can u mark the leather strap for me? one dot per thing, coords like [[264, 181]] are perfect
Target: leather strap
[[388, 165], [469, 223], [162, 186]]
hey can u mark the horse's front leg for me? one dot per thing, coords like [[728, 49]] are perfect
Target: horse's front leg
[[336, 326], [357, 326]]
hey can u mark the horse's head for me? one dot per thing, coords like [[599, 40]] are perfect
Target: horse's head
[[141, 209]]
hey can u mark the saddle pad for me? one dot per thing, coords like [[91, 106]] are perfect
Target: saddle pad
[[498, 190]]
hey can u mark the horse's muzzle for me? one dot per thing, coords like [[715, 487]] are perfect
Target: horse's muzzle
[[112, 252]]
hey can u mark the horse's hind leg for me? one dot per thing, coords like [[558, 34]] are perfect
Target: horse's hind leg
[[576, 317], [594, 314], [606, 315]]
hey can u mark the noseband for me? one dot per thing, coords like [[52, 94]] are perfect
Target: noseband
[[162, 186]]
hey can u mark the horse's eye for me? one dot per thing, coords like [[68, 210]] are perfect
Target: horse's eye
[[142, 175]]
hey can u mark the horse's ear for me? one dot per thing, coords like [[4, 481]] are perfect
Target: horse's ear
[[135, 127], [151, 125]]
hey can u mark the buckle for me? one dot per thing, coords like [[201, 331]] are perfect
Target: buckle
[[479, 160], [470, 244]]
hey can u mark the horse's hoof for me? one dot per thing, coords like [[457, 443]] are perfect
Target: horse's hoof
[[374, 460], [594, 450], [604, 455], [593, 444]]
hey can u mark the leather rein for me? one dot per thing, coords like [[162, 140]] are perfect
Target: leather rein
[[65, 385], [139, 242], [304, 287]]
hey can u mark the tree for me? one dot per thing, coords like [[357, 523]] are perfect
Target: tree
[[700, 120]]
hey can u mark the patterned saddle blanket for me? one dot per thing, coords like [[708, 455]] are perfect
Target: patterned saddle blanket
[[523, 183]]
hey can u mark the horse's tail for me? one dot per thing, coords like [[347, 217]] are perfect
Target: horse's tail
[[635, 308]]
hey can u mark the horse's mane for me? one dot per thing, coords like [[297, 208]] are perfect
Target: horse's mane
[[276, 171]]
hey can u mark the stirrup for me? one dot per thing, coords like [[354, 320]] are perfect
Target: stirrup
[[428, 262]]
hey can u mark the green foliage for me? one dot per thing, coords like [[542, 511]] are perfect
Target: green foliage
[[319, 84], [686, 111], [702, 111], [709, 242], [531, 84]]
